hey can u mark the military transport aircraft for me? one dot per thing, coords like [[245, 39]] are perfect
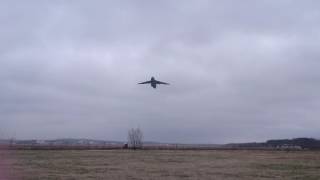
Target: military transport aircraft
[[154, 82]]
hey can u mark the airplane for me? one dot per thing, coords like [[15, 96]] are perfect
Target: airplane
[[154, 82]]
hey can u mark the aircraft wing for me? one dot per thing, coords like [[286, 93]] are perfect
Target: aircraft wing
[[147, 82], [159, 82]]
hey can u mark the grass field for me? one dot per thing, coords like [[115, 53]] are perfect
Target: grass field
[[156, 164]]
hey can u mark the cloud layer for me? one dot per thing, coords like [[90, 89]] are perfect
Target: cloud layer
[[240, 71]]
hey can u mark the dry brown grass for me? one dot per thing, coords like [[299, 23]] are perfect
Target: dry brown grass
[[169, 165]]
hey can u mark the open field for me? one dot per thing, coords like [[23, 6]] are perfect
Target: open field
[[162, 164]]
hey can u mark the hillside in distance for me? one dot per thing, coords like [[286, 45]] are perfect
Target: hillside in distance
[[296, 143]]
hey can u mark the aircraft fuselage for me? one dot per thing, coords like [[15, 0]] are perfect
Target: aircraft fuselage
[[153, 83]]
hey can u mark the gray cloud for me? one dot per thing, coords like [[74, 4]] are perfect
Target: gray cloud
[[240, 71]]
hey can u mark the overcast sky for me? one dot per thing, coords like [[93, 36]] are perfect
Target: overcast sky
[[239, 70]]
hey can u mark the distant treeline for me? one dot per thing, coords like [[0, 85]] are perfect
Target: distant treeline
[[297, 143], [304, 143]]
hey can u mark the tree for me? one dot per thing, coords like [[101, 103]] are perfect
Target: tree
[[135, 137]]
